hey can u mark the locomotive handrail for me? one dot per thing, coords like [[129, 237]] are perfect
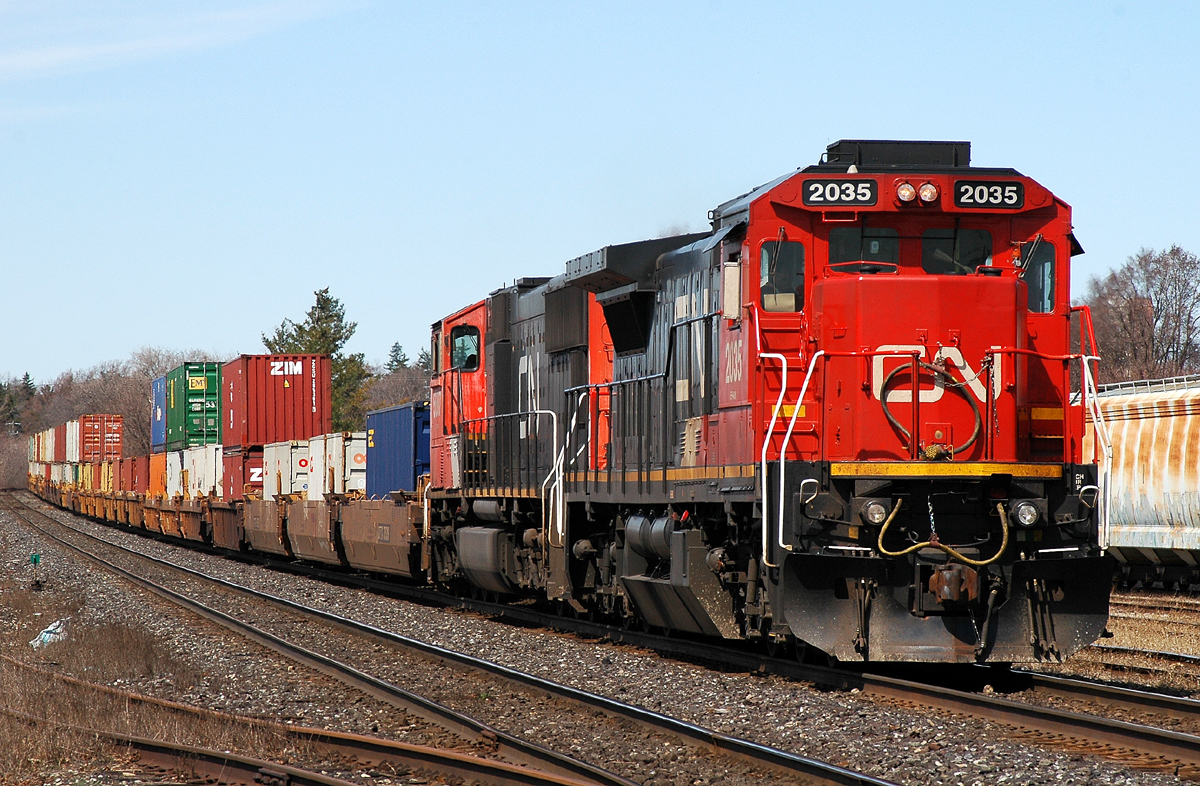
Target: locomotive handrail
[[787, 437], [1102, 438], [782, 452], [1090, 402], [555, 474]]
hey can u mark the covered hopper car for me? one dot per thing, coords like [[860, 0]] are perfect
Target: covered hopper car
[[1154, 490]]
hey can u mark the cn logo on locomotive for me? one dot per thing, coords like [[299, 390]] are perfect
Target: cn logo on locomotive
[[952, 356]]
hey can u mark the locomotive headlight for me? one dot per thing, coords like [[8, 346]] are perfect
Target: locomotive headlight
[[875, 512], [928, 192], [906, 192], [1026, 513]]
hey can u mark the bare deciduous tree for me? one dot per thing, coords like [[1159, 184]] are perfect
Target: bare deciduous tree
[[1147, 315], [401, 386], [114, 387]]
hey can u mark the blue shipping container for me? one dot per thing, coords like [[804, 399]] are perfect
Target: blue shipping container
[[158, 415], [397, 448]]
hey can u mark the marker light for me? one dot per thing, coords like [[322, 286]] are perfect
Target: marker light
[[875, 512], [1027, 513], [906, 192], [928, 192]]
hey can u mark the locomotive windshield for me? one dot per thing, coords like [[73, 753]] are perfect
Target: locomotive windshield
[[955, 252], [864, 244]]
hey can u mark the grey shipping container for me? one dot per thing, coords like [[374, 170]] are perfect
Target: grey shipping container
[[397, 448]]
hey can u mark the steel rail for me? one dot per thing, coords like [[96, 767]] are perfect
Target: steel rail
[[824, 772], [1173, 657], [232, 768], [366, 751], [507, 745], [216, 766], [1179, 707], [1121, 734]]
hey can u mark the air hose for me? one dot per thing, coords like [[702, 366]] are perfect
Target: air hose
[[953, 385], [938, 545]]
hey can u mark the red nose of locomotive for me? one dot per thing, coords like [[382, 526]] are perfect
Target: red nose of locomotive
[[949, 330]]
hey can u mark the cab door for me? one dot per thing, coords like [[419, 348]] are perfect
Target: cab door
[[458, 394]]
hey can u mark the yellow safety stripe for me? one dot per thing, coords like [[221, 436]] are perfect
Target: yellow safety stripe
[[1046, 413], [942, 469]]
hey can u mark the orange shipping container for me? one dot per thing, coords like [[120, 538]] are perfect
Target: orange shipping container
[[157, 487], [100, 437], [140, 474]]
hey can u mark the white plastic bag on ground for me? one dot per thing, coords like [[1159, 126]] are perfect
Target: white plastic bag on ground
[[57, 631]]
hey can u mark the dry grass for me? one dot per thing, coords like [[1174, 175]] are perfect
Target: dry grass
[[119, 651], [104, 654]]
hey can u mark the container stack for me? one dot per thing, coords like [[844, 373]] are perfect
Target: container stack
[[267, 400]]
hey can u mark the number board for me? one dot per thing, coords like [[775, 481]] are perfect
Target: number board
[[840, 192], [989, 194]]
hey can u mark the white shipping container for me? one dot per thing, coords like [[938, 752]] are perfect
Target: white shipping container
[[316, 468], [338, 464], [203, 465], [175, 474], [351, 450], [285, 468], [73, 441], [46, 455]]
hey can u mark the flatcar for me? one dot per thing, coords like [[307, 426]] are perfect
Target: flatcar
[[847, 420], [847, 417]]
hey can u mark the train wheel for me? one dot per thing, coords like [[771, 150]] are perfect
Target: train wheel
[[778, 648]]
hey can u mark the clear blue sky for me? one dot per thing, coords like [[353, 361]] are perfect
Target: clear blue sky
[[187, 174]]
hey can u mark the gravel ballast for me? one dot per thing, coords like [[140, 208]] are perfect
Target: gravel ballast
[[909, 745]]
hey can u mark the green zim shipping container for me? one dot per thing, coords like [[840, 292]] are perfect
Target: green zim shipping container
[[193, 406]]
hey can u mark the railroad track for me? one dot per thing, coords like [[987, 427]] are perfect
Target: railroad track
[[365, 752], [192, 762], [507, 745], [1155, 747]]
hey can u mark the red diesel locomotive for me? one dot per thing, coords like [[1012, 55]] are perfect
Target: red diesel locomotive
[[848, 419]]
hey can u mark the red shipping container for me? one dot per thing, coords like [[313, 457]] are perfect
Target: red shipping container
[[241, 469], [60, 443], [140, 475], [125, 482], [275, 398], [100, 437]]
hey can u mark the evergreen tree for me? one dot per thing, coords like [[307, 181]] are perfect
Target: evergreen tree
[[397, 359], [324, 331], [28, 389], [425, 362]]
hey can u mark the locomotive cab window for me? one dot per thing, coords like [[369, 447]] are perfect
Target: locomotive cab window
[[1037, 257], [781, 275], [864, 244], [464, 347], [955, 252]]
